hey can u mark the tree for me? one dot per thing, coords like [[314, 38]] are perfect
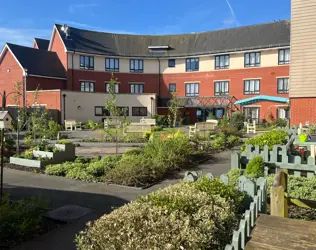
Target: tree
[[174, 106], [118, 113]]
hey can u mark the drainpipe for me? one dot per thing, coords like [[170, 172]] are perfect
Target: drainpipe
[[72, 71], [24, 88], [64, 107], [158, 78]]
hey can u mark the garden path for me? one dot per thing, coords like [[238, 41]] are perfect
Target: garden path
[[100, 197]]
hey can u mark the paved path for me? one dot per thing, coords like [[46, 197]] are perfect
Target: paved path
[[100, 197]]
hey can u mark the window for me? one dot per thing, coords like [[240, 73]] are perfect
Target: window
[[221, 88], [87, 86], [251, 87], [192, 89], [139, 111], [87, 62], [283, 113], [122, 109], [192, 64], [116, 88], [252, 59], [222, 62], [136, 65], [112, 64], [284, 56], [171, 63], [101, 111], [252, 114], [283, 85], [172, 87], [136, 88]]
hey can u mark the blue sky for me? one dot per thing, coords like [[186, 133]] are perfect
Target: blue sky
[[21, 21]]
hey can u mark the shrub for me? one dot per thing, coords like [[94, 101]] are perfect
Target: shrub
[[156, 129], [237, 120], [20, 220], [229, 130], [281, 122], [254, 167], [134, 170], [133, 151], [303, 137], [232, 141], [57, 169], [219, 142], [178, 217], [96, 169], [80, 173], [64, 142], [233, 176], [82, 159], [53, 129], [270, 138], [161, 120]]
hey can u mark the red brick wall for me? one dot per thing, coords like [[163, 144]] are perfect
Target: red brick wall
[[150, 80], [302, 110], [268, 83], [50, 98], [10, 74], [59, 48], [44, 83]]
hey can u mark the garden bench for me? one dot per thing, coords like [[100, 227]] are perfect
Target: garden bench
[[137, 128], [72, 125], [201, 127], [148, 121]]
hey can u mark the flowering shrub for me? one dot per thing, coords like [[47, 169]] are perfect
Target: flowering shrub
[[178, 217], [254, 168]]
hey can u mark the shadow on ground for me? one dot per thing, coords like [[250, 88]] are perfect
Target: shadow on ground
[[62, 238]]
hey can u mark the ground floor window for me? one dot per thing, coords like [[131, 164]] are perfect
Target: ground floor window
[[101, 111], [87, 86], [283, 113], [252, 114], [139, 111]]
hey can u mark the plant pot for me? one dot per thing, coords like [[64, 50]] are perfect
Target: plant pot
[[312, 137]]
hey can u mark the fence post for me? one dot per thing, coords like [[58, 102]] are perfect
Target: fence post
[[279, 204], [235, 160]]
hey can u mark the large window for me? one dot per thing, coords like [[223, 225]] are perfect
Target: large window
[[252, 59], [221, 88], [136, 65], [87, 86], [122, 109], [87, 62], [192, 89], [283, 85], [222, 62], [101, 111], [172, 87], [139, 111], [251, 87], [171, 63], [192, 64], [136, 88], [284, 56], [112, 64], [116, 88]]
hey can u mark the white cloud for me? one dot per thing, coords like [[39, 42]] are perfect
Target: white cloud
[[232, 21], [73, 8], [22, 36]]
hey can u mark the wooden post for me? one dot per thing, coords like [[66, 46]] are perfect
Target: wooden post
[[279, 204]]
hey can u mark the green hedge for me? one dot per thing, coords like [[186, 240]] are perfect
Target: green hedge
[[271, 138], [183, 216]]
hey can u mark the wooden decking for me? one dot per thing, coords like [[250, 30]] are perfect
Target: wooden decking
[[277, 233]]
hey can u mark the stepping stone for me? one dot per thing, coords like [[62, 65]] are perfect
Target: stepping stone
[[68, 213]]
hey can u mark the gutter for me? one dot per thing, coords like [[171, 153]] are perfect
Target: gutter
[[72, 70], [158, 76]]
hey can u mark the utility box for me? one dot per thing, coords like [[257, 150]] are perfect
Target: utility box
[[5, 120]]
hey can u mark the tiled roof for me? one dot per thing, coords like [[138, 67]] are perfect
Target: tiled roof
[[38, 62], [42, 43], [274, 34]]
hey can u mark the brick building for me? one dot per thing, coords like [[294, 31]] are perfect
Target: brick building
[[211, 70]]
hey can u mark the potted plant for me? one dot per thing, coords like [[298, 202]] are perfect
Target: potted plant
[[303, 137]]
